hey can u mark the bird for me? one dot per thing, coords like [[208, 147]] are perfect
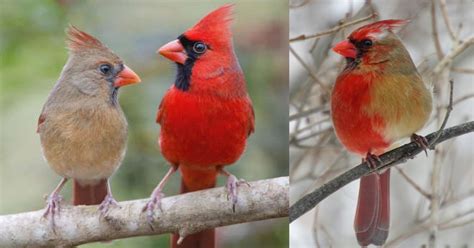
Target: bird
[[378, 99], [82, 128], [206, 116]]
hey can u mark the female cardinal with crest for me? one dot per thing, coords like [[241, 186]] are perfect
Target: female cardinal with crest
[[378, 99], [206, 115], [82, 128]]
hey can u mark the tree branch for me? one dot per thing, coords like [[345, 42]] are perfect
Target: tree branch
[[183, 214], [334, 29], [390, 158]]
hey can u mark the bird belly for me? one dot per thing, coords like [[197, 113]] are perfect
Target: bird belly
[[203, 132], [359, 132], [86, 149]]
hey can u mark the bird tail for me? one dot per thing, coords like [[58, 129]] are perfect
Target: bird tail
[[89, 194], [194, 180], [372, 218]]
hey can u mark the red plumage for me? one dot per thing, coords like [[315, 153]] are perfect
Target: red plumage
[[207, 115], [378, 99]]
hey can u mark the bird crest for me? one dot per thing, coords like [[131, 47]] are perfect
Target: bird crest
[[215, 26], [376, 29], [78, 40]]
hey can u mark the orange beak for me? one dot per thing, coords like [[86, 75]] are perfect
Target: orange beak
[[173, 51], [126, 76], [346, 49]]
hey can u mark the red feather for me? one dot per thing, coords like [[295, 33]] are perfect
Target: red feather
[[357, 131], [205, 126], [376, 27]]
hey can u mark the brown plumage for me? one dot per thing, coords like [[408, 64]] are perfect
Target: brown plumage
[[82, 128]]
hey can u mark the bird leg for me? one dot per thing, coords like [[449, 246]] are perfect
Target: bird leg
[[157, 195], [108, 201], [373, 161], [232, 185], [53, 203], [421, 141]]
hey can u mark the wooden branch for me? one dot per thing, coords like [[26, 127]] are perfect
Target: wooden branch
[[391, 158], [183, 214]]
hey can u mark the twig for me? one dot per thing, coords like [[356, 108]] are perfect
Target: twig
[[310, 72], [436, 173], [448, 59], [446, 117], [391, 158], [413, 183], [423, 226], [463, 70], [439, 51], [334, 29], [447, 22], [183, 214], [307, 112]]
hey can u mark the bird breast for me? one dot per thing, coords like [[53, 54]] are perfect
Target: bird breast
[[84, 143]]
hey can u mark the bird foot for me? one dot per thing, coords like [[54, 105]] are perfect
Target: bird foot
[[373, 161], [106, 204], [53, 207], [232, 185], [421, 141], [155, 201]]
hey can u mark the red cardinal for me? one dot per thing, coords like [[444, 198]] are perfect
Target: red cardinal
[[82, 128], [378, 99], [206, 116]]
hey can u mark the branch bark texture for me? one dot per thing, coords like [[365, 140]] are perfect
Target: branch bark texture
[[390, 158], [183, 214]]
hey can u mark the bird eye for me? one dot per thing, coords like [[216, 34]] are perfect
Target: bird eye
[[105, 68], [367, 43], [199, 47]]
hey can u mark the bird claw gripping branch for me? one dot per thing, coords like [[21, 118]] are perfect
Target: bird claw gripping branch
[[421, 141], [53, 207], [373, 160], [155, 202], [232, 186], [106, 204]]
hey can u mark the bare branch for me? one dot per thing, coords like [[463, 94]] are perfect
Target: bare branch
[[334, 29], [448, 59], [444, 11], [391, 158], [310, 72], [418, 188], [183, 214], [434, 29]]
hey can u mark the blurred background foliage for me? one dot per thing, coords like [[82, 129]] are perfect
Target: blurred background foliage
[[33, 52]]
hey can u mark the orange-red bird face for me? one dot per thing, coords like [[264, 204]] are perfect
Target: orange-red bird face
[[372, 41], [204, 48]]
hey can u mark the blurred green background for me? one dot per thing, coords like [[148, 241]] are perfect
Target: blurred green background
[[32, 51]]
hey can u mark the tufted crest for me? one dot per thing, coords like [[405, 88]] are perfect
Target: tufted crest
[[376, 29], [214, 27], [78, 40]]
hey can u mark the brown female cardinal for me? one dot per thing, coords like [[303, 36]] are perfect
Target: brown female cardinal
[[206, 116], [378, 99], [82, 128]]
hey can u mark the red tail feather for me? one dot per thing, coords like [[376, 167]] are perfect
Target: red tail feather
[[89, 194], [373, 209]]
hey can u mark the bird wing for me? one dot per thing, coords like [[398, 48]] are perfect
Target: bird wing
[[41, 119], [251, 118]]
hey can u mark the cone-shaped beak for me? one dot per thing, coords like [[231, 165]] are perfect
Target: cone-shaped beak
[[346, 49], [125, 77], [174, 51]]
